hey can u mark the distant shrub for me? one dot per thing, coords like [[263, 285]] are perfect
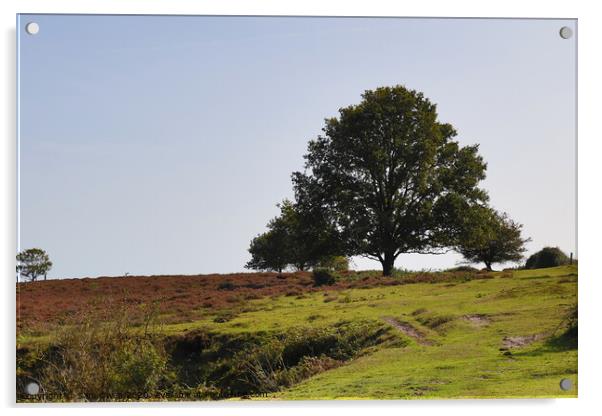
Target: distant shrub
[[226, 286], [547, 257], [323, 277], [462, 269]]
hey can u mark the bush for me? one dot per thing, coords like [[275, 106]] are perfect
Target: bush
[[285, 361], [323, 277], [567, 339], [547, 257], [109, 360], [226, 286], [335, 263], [462, 269]]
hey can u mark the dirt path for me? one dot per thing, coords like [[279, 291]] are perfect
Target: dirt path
[[408, 330], [478, 320]]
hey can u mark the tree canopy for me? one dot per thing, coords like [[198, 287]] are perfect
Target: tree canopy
[[294, 238], [491, 237], [33, 263], [389, 178], [268, 251]]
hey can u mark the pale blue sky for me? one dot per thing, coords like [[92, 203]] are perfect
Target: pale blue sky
[[160, 145]]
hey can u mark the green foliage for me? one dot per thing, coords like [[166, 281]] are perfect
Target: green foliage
[[490, 237], [336, 263], [464, 268], [284, 362], [547, 257], [243, 364], [269, 251], [294, 238], [323, 277], [33, 262], [389, 178], [108, 360]]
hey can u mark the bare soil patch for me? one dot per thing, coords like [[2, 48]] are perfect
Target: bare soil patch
[[478, 320], [517, 342], [408, 330]]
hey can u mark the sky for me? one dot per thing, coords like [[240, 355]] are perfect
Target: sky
[[162, 144]]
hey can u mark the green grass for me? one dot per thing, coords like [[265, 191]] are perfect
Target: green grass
[[465, 360], [462, 359]]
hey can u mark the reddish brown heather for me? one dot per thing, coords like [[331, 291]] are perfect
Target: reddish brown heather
[[53, 301], [178, 298]]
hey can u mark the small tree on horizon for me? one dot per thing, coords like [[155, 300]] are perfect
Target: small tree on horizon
[[269, 251], [32, 263], [491, 237], [294, 238]]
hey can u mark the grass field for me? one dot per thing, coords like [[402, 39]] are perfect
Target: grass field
[[489, 335]]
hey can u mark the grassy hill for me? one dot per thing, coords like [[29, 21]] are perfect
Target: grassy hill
[[416, 335]]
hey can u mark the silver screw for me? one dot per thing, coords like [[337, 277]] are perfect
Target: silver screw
[[566, 32], [32, 389], [566, 384], [32, 28]]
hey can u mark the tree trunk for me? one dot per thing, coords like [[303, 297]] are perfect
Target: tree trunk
[[488, 265], [388, 263]]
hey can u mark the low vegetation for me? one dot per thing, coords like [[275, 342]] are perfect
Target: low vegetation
[[323, 277], [547, 257], [414, 335]]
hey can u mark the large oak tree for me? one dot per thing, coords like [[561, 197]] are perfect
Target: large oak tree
[[390, 178]]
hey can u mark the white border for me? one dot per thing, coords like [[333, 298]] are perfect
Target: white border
[[589, 153]]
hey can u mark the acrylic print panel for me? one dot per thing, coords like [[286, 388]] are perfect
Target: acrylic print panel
[[291, 208]]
